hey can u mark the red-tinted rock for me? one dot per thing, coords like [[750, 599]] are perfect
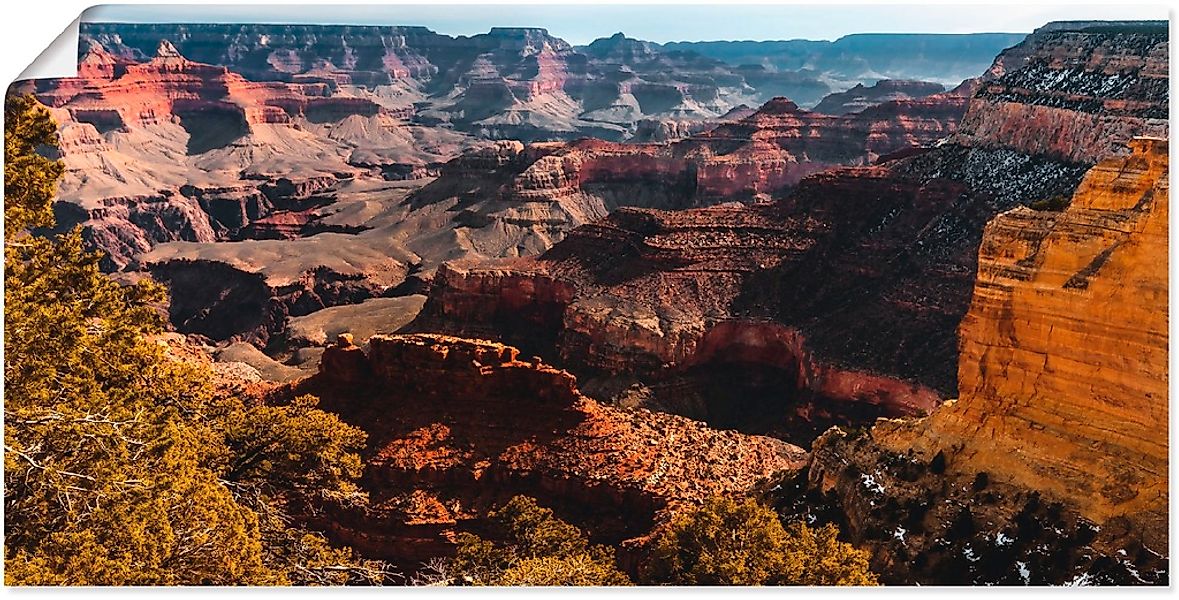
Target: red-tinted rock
[[1074, 91], [1050, 466], [456, 426], [885, 90], [868, 270]]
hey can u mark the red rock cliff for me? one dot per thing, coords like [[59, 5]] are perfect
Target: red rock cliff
[[457, 425], [1076, 92], [666, 297], [763, 153]]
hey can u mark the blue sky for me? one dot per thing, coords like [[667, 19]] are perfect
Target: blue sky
[[580, 24]]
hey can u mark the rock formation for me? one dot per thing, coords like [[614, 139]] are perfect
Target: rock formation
[[864, 58], [984, 268], [510, 83], [669, 130], [171, 133], [502, 200], [1074, 93], [1062, 404], [171, 149], [860, 97], [764, 153], [1063, 365], [670, 300], [456, 426], [868, 269], [523, 83]]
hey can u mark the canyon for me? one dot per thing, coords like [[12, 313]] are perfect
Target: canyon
[[606, 77], [867, 270], [285, 163], [928, 305], [368, 232], [1023, 351], [171, 149], [1048, 466], [510, 199]]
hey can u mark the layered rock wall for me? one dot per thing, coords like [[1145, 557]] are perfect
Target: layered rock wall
[[1075, 93], [1063, 367], [861, 97], [1051, 466], [872, 266]]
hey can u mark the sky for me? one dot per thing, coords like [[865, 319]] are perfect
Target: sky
[[581, 24]]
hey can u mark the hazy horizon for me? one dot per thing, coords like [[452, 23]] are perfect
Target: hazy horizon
[[581, 24]]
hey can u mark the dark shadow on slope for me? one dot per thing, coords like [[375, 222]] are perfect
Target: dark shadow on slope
[[211, 127]]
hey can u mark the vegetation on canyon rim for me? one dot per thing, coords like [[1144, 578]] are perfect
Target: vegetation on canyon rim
[[725, 542], [539, 549], [124, 466], [121, 466]]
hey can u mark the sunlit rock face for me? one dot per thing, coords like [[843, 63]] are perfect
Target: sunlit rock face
[[1063, 367], [1051, 465], [457, 426]]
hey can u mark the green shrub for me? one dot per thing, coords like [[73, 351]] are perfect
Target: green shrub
[[729, 543], [537, 549]]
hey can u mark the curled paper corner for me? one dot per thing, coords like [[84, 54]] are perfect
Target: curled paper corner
[[59, 59]]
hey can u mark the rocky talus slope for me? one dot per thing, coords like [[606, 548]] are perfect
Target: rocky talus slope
[[1061, 422], [457, 425]]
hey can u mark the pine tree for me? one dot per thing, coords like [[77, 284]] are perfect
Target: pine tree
[[121, 466], [725, 542], [535, 548]]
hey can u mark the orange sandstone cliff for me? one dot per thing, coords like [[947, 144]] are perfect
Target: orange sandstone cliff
[[1063, 365], [1051, 466]]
